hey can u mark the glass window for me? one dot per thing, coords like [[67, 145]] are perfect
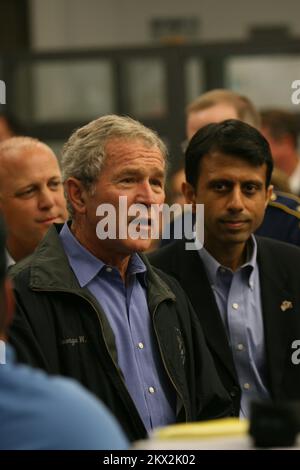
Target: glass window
[[146, 80], [266, 79], [194, 79], [64, 90]]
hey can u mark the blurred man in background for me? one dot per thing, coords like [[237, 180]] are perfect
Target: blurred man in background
[[31, 194], [281, 130]]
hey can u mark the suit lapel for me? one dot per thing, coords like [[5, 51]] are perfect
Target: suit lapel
[[195, 282], [277, 306]]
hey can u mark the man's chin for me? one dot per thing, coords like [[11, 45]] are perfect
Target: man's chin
[[140, 245], [238, 238]]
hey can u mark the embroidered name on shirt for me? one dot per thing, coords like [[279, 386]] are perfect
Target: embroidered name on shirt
[[181, 346], [73, 341]]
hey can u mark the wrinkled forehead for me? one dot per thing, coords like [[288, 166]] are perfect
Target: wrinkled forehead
[[125, 151]]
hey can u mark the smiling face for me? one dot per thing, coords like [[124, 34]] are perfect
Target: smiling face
[[131, 169], [31, 197], [235, 196]]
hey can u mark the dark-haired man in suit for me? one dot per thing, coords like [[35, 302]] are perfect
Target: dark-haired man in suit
[[245, 289]]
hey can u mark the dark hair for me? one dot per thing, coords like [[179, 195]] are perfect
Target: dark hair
[[2, 251], [280, 123], [231, 137]]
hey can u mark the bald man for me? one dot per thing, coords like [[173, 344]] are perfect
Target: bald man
[[31, 194]]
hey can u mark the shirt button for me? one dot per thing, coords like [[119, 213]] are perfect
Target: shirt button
[[151, 390], [108, 269], [235, 306], [240, 347], [141, 346], [222, 270], [246, 386]]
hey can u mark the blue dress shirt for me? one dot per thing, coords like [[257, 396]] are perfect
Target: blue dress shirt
[[238, 297], [38, 412], [126, 309]]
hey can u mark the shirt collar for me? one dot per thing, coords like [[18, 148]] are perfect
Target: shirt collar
[[9, 259], [86, 266], [213, 267], [10, 356]]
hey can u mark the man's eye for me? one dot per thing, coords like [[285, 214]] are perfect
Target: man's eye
[[27, 193], [55, 184], [250, 188], [128, 180], [157, 182], [220, 187]]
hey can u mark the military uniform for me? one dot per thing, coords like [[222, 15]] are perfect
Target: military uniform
[[282, 218]]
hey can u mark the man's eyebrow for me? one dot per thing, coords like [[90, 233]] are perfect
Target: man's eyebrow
[[219, 180], [140, 171], [229, 182], [255, 182]]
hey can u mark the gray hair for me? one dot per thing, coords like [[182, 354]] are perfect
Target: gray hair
[[83, 155]]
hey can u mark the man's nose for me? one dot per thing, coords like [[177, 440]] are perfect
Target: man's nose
[[145, 193], [236, 200], [46, 199]]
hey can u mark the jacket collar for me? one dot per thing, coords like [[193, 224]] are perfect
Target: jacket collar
[[50, 270]]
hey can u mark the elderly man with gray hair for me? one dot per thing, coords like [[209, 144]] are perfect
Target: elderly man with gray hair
[[90, 307]]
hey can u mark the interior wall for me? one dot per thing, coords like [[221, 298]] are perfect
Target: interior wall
[[68, 24]]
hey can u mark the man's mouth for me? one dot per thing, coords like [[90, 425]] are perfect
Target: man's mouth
[[234, 223], [48, 220]]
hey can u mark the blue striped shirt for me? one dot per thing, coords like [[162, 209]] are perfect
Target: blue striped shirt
[[239, 300]]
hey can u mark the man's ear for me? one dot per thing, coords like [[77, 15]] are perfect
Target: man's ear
[[189, 194], [269, 194], [76, 194]]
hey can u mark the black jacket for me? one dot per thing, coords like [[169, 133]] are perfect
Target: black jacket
[[62, 329], [279, 270]]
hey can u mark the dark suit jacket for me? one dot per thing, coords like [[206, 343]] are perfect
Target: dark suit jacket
[[279, 268]]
